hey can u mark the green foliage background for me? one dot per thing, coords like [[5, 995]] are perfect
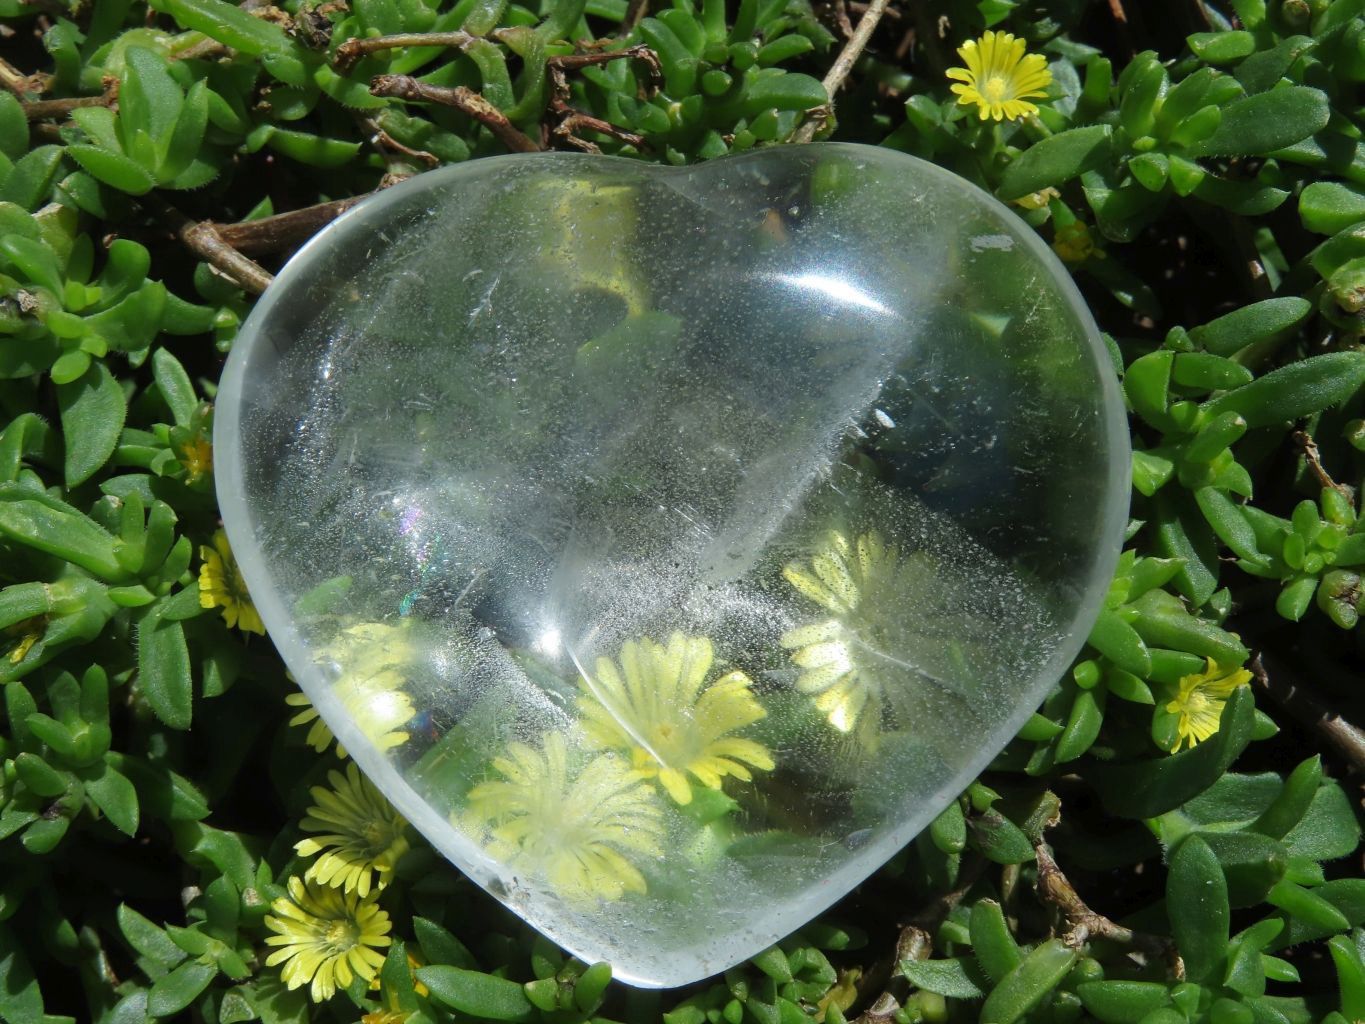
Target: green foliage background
[[1207, 154]]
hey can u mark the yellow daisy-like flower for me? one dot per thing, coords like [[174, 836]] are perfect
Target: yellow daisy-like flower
[[1000, 77], [326, 937], [221, 586], [658, 706], [580, 829], [847, 661], [1199, 703], [319, 736], [363, 836], [372, 659]]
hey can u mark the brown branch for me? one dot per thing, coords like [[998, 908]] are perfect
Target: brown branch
[[574, 61], [202, 239], [1347, 739], [283, 231], [352, 50], [467, 101], [936, 911], [42, 110], [1310, 455], [891, 14], [20, 84], [838, 10], [636, 11], [388, 145], [840, 70], [571, 121], [913, 943], [1085, 924], [205, 49]]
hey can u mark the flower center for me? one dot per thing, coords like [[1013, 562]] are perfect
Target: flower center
[[996, 88], [341, 936], [376, 836], [1196, 703], [671, 743]]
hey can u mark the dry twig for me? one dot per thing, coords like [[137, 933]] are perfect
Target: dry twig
[[913, 943], [387, 144], [20, 84], [283, 231], [205, 49], [636, 11], [569, 120], [840, 70], [1347, 739], [202, 239], [467, 101], [1086, 924], [42, 110], [557, 66], [352, 50], [1310, 455]]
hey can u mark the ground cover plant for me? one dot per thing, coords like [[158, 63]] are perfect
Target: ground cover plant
[[1174, 836]]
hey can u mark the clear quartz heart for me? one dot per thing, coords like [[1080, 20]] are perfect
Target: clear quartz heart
[[671, 545]]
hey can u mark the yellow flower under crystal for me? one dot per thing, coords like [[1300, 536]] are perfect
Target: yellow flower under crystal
[[658, 705], [326, 937], [362, 835], [1200, 700], [372, 659], [1000, 77], [847, 661], [582, 829], [319, 736], [221, 586]]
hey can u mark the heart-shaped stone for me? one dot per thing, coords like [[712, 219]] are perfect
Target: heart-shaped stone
[[671, 545]]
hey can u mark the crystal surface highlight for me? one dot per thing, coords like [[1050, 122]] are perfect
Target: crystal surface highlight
[[671, 545]]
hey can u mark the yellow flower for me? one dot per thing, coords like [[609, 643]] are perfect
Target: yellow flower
[[363, 836], [221, 586], [397, 1017], [1200, 701], [319, 736], [847, 661], [580, 829], [29, 632], [326, 936], [1000, 78], [371, 659], [1037, 200], [1074, 243], [658, 706], [196, 455], [843, 994]]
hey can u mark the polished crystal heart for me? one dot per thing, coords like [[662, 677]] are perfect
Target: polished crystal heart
[[671, 545]]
